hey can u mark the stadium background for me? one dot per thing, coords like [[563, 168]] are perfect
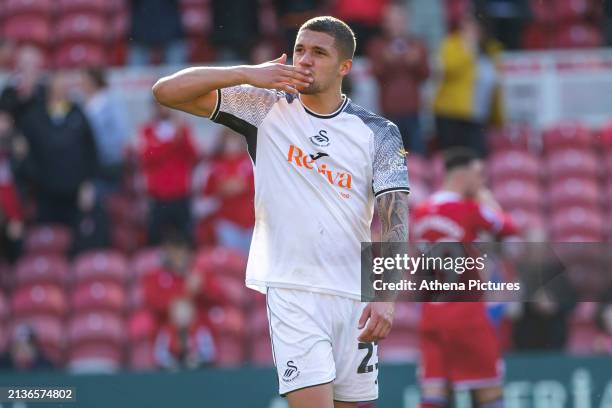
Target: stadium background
[[78, 280]]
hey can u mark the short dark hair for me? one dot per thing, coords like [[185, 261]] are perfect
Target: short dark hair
[[342, 33], [458, 157]]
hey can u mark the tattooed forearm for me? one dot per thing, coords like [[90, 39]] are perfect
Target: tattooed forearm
[[393, 214]]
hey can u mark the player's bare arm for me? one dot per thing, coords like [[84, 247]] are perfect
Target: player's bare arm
[[393, 213], [193, 90]]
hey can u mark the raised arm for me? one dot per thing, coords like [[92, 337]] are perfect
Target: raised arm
[[192, 90]]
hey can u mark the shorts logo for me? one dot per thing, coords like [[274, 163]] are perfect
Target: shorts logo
[[291, 373], [321, 140]]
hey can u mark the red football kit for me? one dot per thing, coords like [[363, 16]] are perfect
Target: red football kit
[[457, 341]]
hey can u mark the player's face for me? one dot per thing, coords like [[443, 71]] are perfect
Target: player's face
[[317, 52], [475, 177]]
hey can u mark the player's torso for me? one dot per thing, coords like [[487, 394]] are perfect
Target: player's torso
[[449, 221], [304, 162]]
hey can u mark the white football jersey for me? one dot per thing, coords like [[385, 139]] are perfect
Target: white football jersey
[[316, 177]]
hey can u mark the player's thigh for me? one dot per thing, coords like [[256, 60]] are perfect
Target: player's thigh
[[312, 397], [301, 345], [474, 358], [433, 370], [356, 362]]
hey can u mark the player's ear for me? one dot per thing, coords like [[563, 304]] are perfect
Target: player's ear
[[345, 67]]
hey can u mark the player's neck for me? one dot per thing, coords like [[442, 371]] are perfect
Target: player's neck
[[452, 188], [323, 103]]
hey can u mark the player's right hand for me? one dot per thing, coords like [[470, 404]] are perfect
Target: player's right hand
[[276, 74]]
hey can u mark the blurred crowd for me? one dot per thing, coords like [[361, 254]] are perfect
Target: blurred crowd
[[68, 161]]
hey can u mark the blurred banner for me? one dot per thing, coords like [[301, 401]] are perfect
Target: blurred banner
[[533, 381], [542, 88]]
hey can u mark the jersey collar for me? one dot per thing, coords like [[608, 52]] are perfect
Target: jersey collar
[[345, 101]]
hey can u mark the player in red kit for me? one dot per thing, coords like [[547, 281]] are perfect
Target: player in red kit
[[459, 348]]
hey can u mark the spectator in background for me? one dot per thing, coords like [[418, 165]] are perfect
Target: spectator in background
[[167, 156], [11, 215], [57, 153], [236, 23], [507, 18], [108, 119], [186, 341], [400, 64], [363, 16], [25, 86], [467, 98], [231, 183], [176, 280], [156, 25], [25, 353]]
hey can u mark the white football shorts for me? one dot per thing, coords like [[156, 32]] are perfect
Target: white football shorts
[[314, 341]]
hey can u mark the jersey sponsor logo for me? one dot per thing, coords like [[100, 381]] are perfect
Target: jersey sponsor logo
[[318, 155], [403, 152], [291, 372], [321, 139], [299, 159]]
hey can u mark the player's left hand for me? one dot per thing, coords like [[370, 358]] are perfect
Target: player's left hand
[[379, 318]]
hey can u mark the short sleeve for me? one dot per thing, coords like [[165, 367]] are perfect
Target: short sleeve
[[243, 108], [495, 222], [389, 168]]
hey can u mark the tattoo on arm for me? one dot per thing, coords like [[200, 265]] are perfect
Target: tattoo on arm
[[393, 213]]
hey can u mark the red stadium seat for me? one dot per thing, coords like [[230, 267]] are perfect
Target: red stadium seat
[[99, 296], [569, 135], [579, 35], [606, 136], [119, 23], [141, 356], [511, 137], [229, 327], [261, 351], [38, 300], [574, 191], [221, 260], [572, 163], [102, 265], [142, 326], [573, 10], [48, 239], [513, 164], [96, 327], [576, 221], [28, 28], [145, 261], [527, 220], [135, 296], [116, 6], [80, 54], [92, 6], [40, 268], [81, 27], [582, 339], [513, 194], [16, 7]]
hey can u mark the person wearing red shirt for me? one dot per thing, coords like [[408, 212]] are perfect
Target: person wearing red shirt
[[364, 17], [459, 347], [11, 214], [178, 279], [231, 183], [168, 155]]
